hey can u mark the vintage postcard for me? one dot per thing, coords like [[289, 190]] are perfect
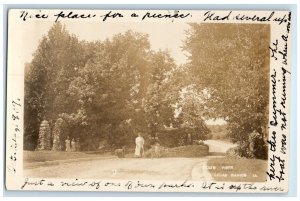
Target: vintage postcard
[[148, 100]]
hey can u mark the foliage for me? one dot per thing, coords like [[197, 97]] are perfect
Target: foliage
[[156, 103], [232, 66], [55, 63], [106, 90], [258, 148], [192, 107]]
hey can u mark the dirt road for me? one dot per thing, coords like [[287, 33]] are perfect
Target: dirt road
[[218, 146], [127, 168], [130, 168]]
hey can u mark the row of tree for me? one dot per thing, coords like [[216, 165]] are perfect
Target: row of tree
[[110, 90]]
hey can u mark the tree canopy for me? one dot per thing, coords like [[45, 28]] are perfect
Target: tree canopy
[[231, 61], [104, 90], [110, 90]]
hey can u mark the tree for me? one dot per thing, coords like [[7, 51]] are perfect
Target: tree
[[192, 111], [156, 103], [231, 62], [109, 86], [55, 63]]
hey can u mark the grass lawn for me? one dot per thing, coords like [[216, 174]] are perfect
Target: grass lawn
[[238, 170], [42, 156]]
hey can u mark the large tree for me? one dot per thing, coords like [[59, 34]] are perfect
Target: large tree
[[231, 61], [109, 87], [156, 102], [56, 62]]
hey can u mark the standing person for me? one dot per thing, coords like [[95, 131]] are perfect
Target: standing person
[[68, 148], [139, 148]]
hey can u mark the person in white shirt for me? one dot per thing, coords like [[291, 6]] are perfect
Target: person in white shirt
[[68, 147], [139, 148]]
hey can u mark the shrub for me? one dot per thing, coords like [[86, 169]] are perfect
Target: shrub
[[233, 152], [257, 146]]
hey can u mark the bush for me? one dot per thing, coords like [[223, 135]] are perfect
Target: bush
[[189, 151], [176, 137], [171, 138], [255, 147]]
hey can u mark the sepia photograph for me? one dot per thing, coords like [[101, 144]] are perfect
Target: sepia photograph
[[129, 102], [156, 100]]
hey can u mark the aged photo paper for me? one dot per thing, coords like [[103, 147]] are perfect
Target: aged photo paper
[[148, 100]]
